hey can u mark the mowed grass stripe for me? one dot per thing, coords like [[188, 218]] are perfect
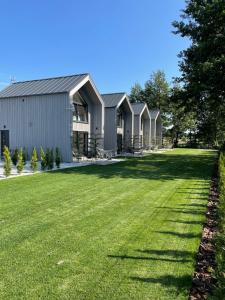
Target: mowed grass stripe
[[125, 231]]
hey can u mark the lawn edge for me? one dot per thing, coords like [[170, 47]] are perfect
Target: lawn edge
[[203, 278]]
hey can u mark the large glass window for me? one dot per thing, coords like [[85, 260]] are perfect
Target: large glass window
[[80, 112], [119, 118]]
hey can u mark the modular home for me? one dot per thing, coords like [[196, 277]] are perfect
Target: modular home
[[118, 131], [49, 113], [142, 126], [156, 128]]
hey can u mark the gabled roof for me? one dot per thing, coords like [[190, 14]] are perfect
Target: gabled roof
[[112, 100], [154, 113], [42, 86], [138, 107]]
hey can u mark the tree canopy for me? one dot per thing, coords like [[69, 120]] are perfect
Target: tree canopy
[[202, 65]]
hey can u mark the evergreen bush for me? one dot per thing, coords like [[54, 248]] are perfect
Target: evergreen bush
[[34, 160], [15, 157], [7, 162], [50, 159], [57, 158], [43, 160], [20, 164], [25, 155]]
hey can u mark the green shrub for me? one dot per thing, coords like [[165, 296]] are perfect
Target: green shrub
[[25, 155], [20, 164], [15, 157], [219, 291], [7, 162], [43, 159], [34, 160], [50, 159], [57, 158]]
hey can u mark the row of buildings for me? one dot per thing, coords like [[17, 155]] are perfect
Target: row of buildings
[[69, 113]]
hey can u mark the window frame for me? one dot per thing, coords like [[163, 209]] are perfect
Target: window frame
[[82, 104], [119, 118]]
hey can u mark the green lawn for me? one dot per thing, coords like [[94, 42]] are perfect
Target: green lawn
[[124, 231]]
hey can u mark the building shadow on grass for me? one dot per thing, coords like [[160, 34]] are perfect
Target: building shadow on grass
[[152, 167]]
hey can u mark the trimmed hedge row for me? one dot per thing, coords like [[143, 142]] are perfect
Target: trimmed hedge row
[[219, 292]]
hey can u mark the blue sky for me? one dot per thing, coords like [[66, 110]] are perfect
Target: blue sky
[[119, 42]]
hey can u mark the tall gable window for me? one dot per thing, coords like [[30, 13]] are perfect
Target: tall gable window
[[80, 112]]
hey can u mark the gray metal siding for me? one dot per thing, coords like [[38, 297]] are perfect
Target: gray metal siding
[[110, 130], [136, 124], [38, 121]]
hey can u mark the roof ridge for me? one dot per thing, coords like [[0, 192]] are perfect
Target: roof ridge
[[134, 103], [57, 77], [116, 93]]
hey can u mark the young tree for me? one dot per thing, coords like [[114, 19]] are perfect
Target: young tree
[[20, 164], [25, 155], [57, 158], [43, 159], [50, 158], [15, 157], [202, 64], [7, 162], [34, 160]]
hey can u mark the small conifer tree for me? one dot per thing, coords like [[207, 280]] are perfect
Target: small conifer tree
[[15, 157], [50, 159], [34, 160], [8, 161], [43, 160], [20, 164], [25, 155], [57, 158]]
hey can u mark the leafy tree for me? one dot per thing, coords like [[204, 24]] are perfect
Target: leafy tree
[[57, 158], [7, 162], [43, 160], [34, 160], [182, 122], [15, 157], [20, 164], [202, 65]]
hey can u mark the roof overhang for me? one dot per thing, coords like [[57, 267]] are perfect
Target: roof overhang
[[145, 108], [82, 83], [125, 98]]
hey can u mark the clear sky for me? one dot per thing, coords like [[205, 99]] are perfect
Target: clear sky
[[119, 42]]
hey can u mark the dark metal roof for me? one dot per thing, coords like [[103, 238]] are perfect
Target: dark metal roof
[[138, 107], [112, 100], [42, 86]]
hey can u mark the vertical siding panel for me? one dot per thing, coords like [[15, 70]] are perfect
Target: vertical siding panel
[[38, 121]]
